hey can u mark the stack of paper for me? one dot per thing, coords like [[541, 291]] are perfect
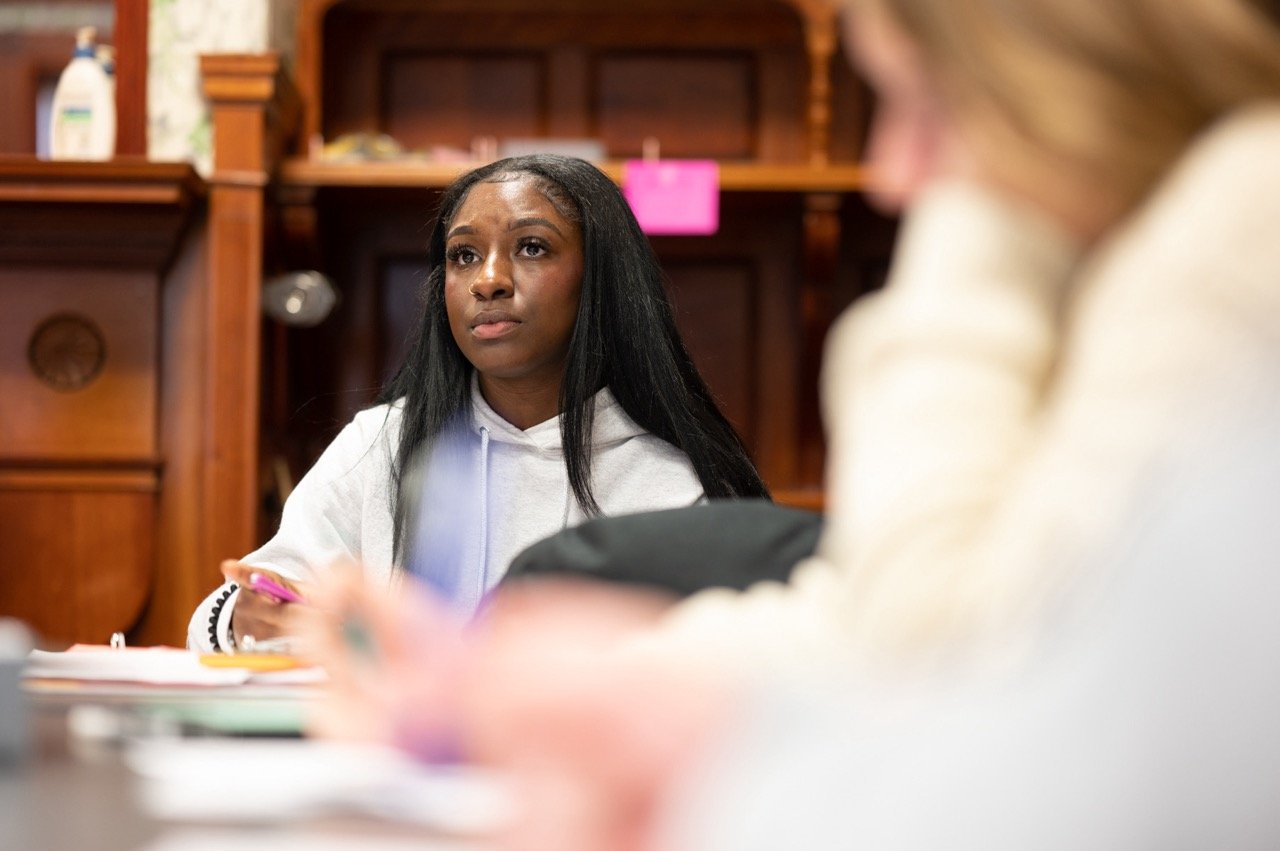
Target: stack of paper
[[272, 781], [228, 839], [147, 665]]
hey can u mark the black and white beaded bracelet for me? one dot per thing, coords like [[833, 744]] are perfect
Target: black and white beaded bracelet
[[216, 616]]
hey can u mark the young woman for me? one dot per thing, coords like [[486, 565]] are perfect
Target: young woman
[[549, 354], [1083, 310]]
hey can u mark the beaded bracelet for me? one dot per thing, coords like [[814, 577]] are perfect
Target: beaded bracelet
[[218, 606]]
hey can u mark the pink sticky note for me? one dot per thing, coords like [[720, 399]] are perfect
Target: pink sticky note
[[673, 197]]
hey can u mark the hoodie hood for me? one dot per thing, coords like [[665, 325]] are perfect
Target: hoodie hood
[[610, 427], [492, 489]]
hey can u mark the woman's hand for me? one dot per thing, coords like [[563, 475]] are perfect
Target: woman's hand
[[258, 614]]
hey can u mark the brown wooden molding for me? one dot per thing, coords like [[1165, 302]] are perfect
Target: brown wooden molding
[[81, 479], [123, 213], [105, 463], [810, 499], [247, 77], [255, 111], [734, 176], [124, 180]]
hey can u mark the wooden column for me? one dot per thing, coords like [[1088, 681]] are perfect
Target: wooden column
[[821, 239], [251, 103], [820, 39], [131, 76], [308, 66]]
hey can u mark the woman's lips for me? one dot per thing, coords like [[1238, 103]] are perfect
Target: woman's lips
[[492, 330], [491, 324]]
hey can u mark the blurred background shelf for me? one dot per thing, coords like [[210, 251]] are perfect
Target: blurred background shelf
[[734, 176]]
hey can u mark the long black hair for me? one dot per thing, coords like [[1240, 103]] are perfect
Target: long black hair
[[624, 338]]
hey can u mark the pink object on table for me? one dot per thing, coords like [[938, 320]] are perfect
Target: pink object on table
[[674, 197]]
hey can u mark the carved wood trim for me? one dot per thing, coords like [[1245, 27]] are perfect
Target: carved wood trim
[[126, 213], [821, 28], [255, 111], [81, 480]]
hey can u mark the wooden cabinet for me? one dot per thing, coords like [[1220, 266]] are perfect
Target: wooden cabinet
[[130, 361], [99, 337]]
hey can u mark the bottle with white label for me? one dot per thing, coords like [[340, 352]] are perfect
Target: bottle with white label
[[84, 109]]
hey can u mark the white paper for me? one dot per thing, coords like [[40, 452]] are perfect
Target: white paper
[[300, 840], [148, 665], [268, 781]]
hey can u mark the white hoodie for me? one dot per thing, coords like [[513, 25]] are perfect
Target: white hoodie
[[341, 509]]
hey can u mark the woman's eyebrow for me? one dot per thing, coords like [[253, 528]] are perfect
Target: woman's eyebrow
[[460, 229], [533, 220]]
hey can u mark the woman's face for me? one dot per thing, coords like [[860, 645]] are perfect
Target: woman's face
[[512, 278], [916, 139], [909, 139]]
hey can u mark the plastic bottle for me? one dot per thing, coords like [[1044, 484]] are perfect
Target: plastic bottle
[[84, 109]]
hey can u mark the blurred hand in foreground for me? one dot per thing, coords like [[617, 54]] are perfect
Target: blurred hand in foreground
[[592, 730], [391, 659], [545, 685]]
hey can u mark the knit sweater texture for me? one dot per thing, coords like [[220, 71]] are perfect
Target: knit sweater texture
[[1009, 405]]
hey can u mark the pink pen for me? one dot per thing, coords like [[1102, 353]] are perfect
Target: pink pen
[[264, 584]]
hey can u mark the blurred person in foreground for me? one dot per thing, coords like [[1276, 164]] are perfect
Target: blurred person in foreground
[[1076, 361]]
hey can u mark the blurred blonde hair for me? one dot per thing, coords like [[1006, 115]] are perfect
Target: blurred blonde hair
[[1101, 93]]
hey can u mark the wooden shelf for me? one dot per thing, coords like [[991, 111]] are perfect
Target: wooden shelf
[[734, 176], [125, 180], [125, 212], [810, 499]]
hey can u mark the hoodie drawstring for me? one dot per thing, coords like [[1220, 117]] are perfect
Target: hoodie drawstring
[[564, 518], [484, 509]]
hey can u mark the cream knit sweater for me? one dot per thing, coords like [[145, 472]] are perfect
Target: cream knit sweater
[[1002, 410]]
